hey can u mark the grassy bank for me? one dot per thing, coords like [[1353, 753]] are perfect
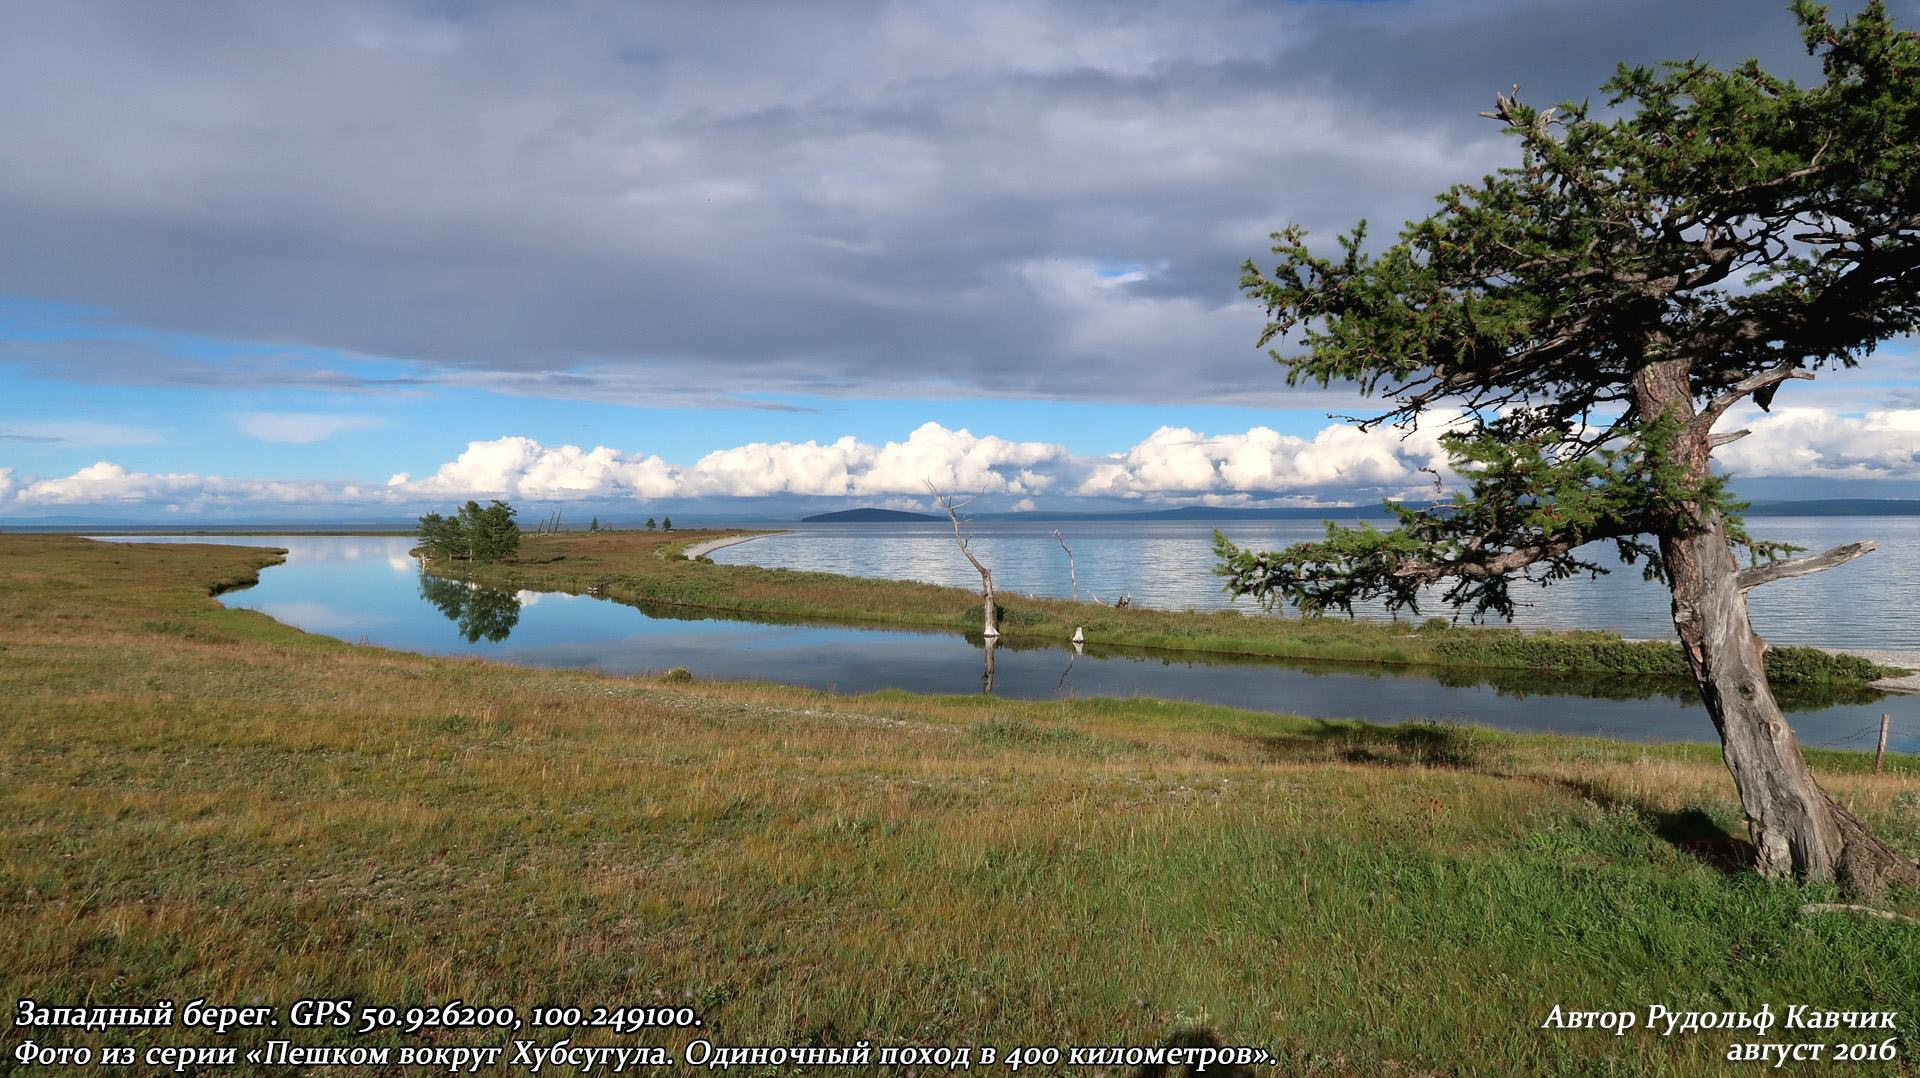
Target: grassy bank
[[197, 801], [645, 567]]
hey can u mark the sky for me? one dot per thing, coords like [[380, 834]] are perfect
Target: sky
[[346, 259]]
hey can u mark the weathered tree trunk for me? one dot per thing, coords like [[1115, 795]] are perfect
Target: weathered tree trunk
[[1796, 827], [1073, 574], [991, 621]]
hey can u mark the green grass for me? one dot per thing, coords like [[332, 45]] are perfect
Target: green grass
[[197, 801], [641, 568]]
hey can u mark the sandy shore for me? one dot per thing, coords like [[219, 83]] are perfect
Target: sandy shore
[[1907, 660], [699, 550]]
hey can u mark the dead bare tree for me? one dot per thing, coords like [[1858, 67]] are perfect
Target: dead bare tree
[[1072, 573], [991, 622]]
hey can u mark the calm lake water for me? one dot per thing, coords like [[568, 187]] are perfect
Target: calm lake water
[[1871, 602], [367, 590]]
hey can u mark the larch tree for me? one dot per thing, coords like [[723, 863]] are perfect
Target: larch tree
[[1580, 322]]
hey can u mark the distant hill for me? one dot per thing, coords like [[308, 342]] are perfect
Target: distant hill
[[867, 516]]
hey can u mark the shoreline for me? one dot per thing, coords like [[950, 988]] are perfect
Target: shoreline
[[275, 556], [1892, 658], [1907, 683], [637, 567], [1908, 660], [701, 550]]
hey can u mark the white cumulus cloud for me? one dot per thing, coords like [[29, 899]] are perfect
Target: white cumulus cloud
[[1339, 463], [1816, 442], [521, 467], [761, 468], [956, 461], [1176, 460], [953, 460], [107, 482]]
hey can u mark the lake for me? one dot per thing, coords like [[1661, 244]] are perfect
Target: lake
[[368, 590], [1873, 602]]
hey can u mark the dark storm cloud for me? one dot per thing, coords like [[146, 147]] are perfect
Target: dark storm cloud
[[117, 362], [673, 202]]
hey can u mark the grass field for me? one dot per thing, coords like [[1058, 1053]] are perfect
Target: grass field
[[197, 801], [646, 567]]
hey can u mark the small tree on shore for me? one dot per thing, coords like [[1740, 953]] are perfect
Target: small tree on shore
[[651, 524], [439, 538], [474, 534], [666, 524], [1582, 322]]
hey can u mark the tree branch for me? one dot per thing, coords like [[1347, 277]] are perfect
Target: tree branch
[[1781, 570], [1502, 564], [1715, 441], [1746, 387], [953, 512]]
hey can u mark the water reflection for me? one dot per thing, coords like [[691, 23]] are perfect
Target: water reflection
[[352, 588], [1169, 565], [482, 613]]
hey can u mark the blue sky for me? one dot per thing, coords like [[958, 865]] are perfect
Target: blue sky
[[417, 427], [355, 258]]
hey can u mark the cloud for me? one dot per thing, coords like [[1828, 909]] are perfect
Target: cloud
[[1818, 443], [603, 200], [521, 467], [78, 432], [107, 482], [302, 428], [1338, 464], [954, 460], [1175, 460], [116, 361]]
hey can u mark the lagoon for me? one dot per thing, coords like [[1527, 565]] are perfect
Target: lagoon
[[1873, 602], [368, 590]]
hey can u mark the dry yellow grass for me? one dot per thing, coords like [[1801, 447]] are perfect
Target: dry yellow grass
[[197, 801]]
